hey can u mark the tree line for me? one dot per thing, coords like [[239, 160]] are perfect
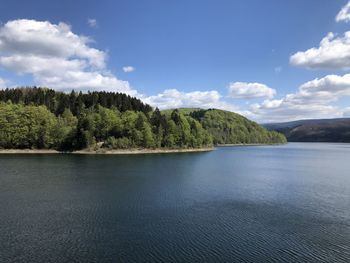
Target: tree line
[[30, 126], [58, 102], [42, 118], [231, 128]]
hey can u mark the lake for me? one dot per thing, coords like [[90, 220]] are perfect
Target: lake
[[288, 203]]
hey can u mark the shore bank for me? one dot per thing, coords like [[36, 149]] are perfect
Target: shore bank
[[143, 151], [105, 151], [124, 151], [242, 144], [248, 144], [28, 151]]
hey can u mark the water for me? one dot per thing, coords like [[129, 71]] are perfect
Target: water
[[285, 203]]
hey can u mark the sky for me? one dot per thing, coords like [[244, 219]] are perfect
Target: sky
[[270, 60]]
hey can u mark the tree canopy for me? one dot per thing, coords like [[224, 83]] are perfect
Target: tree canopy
[[57, 102], [28, 126], [231, 128], [39, 118]]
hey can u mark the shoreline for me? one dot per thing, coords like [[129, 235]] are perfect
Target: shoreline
[[248, 144], [105, 151], [142, 151]]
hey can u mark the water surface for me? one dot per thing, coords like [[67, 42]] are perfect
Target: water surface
[[288, 203]]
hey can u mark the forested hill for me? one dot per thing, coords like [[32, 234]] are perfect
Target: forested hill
[[39, 118], [322, 130], [231, 128], [58, 102]]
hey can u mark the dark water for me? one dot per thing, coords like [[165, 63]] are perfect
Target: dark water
[[286, 203]]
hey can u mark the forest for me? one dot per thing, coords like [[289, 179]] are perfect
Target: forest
[[227, 127], [58, 102], [40, 118], [231, 128], [314, 130]]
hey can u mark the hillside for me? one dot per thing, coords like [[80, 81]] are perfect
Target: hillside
[[40, 118], [323, 130], [231, 128]]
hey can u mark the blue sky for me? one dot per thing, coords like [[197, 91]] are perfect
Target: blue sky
[[234, 55]]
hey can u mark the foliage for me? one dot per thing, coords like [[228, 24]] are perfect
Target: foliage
[[44, 119], [230, 128], [323, 130], [26, 127], [29, 126], [58, 102]]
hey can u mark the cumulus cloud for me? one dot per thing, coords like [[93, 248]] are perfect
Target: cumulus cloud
[[128, 69], [333, 53], [47, 40], [243, 90], [56, 57], [172, 98], [92, 22], [344, 14], [331, 86], [287, 111], [312, 100]]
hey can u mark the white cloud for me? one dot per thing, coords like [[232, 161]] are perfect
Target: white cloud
[[243, 90], [288, 112], [333, 53], [92, 22], [344, 14], [56, 57], [128, 69], [47, 40], [331, 86], [172, 98], [313, 100]]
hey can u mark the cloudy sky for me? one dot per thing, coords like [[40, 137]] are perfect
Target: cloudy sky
[[269, 60]]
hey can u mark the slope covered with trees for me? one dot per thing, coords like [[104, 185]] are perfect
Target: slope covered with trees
[[40, 118], [28, 126], [323, 130], [231, 128]]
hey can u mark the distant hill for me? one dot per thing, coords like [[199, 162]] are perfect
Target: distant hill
[[231, 128], [323, 130]]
